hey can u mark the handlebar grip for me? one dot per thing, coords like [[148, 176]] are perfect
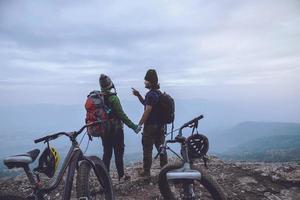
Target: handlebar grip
[[192, 121], [41, 139], [49, 137]]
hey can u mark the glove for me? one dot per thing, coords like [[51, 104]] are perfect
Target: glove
[[138, 129]]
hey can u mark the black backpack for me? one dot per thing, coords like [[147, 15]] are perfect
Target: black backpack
[[166, 107]]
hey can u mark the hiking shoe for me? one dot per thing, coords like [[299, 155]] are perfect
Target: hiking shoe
[[124, 178]]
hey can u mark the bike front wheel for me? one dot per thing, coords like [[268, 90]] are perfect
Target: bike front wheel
[[93, 180], [205, 188]]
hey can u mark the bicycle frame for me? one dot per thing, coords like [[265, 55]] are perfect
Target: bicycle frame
[[71, 159], [74, 156], [184, 172]]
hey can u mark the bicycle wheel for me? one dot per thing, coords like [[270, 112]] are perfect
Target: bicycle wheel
[[206, 188], [94, 182]]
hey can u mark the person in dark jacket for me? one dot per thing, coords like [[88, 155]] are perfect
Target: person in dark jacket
[[114, 141], [153, 132]]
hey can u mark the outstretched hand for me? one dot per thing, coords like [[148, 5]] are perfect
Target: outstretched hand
[[135, 92], [138, 129]]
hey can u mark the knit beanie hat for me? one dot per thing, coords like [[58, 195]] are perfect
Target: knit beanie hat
[[151, 76], [105, 82]]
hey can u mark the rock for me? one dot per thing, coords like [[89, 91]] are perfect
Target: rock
[[264, 174], [239, 180], [271, 196], [290, 194], [275, 178], [261, 188], [247, 180]]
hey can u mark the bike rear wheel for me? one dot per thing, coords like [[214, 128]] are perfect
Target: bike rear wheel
[[93, 182], [206, 188]]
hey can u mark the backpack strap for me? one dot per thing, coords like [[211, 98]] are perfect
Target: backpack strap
[[158, 92], [172, 130], [111, 112]]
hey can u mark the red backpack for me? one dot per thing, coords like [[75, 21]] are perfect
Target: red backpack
[[96, 110]]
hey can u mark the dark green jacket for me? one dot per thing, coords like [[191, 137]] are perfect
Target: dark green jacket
[[115, 104]]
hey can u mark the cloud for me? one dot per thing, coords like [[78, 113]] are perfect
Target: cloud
[[67, 44]]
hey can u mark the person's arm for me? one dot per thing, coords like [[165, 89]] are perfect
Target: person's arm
[[150, 101], [146, 114], [115, 102], [141, 99], [137, 93]]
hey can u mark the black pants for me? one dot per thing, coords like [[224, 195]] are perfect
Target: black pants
[[153, 135], [114, 142]]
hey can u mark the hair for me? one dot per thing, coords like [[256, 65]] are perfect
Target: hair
[[155, 87]]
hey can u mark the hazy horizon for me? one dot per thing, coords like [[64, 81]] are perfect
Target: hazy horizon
[[232, 61]]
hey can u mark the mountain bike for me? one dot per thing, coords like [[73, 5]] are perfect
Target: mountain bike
[[75, 159], [184, 180]]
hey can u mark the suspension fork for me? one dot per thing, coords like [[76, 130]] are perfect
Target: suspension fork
[[184, 153], [188, 190], [71, 172]]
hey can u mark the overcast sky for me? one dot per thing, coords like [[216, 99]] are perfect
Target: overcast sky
[[53, 51]]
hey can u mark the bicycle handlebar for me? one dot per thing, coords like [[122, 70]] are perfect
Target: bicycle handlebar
[[69, 134], [49, 137], [195, 120], [179, 138]]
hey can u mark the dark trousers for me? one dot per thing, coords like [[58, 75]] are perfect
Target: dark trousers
[[114, 142], [152, 135]]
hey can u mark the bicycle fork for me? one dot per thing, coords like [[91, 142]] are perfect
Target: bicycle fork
[[188, 190], [187, 176]]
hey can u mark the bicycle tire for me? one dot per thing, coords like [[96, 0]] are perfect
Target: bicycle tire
[[83, 187], [11, 197], [70, 177], [206, 181]]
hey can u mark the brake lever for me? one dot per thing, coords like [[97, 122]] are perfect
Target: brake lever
[[191, 125], [50, 138]]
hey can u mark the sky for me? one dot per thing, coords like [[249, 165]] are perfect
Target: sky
[[54, 51]]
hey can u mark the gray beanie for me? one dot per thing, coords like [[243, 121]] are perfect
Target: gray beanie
[[105, 82]]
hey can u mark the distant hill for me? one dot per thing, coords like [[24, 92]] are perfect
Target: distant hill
[[246, 132], [278, 148], [21, 124]]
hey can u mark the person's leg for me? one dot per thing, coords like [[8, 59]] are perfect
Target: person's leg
[[107, 151], [119, 151], [159, 139], [147, 141]]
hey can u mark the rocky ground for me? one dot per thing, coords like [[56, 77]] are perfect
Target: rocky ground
[[240, 180]]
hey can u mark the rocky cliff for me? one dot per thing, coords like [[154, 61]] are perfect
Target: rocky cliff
[[240, 180]]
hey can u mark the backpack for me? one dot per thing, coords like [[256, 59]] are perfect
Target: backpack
[[166, 106], [96, 110]]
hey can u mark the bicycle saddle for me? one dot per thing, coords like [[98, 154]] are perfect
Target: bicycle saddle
[[21, 160]]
